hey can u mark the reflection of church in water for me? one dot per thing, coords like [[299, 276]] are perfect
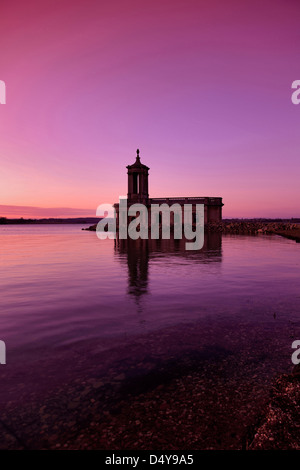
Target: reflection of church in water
[[139, 254]]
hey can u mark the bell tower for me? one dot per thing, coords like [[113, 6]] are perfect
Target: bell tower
[[138, 181]]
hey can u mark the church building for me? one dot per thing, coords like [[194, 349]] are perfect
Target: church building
[[138, 192]]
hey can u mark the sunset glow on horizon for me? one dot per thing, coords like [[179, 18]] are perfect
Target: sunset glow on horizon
[[202, 88]]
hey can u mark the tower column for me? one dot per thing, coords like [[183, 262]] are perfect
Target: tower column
[[137, 181]]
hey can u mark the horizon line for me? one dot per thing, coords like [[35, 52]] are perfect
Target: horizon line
[[19, 211]]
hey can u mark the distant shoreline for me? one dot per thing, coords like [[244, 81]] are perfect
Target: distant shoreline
[[288, 228], [94, 220], [71, 220]]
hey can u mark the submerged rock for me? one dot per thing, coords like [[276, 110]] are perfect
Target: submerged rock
[[92, 228]]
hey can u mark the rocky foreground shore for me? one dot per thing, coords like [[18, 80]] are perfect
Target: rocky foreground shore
[[280, 428], [194, 388]]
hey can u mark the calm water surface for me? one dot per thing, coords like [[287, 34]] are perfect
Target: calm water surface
[[62, 286], [107, 334]]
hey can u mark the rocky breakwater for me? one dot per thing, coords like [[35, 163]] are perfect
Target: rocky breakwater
[[92, 228], [248, 227], [244, 227]]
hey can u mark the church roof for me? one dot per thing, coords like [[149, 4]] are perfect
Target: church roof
[[137, 164]]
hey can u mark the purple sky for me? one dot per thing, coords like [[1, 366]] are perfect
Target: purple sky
[[203, 88]]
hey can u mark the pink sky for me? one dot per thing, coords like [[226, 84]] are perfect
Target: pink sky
[[203, 88]]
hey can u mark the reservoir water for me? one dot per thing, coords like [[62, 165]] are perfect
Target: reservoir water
[[77, 312]]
